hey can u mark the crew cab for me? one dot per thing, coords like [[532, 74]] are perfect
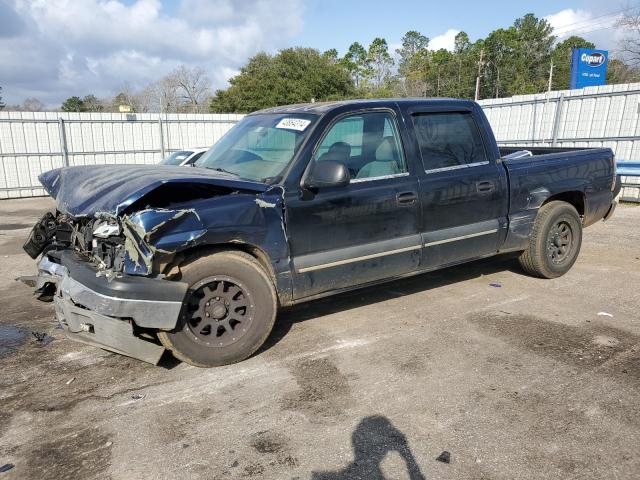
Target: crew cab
[[295, 203]]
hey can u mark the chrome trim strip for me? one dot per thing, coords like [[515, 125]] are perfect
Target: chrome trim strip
[[463, 237], [382, 177], [357, 259], [457, 167]]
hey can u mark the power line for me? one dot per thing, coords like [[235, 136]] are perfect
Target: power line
[[584, 32], [588, 21], [588, 29]]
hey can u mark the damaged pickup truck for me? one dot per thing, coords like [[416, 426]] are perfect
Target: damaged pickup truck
[[296, 203]]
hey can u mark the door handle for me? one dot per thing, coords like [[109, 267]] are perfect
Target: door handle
[[406, 198], [485, 187]]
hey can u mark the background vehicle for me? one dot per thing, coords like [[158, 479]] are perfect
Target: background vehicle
[[183, 157], [295, 203]]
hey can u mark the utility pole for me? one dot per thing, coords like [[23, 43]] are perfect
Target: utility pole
[[479, 73], [550, 76]]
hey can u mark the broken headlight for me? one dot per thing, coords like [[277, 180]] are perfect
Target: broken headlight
[[105, 229]]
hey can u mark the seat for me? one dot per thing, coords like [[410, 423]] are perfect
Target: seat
[[385, 163], [338, 152]]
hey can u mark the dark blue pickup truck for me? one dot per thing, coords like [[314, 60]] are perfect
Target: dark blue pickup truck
[[295, 203]]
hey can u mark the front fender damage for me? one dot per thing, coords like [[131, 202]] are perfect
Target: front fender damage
[[155, 239], [142, 231]]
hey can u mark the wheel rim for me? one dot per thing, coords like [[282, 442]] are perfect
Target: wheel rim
[[560, 242], [219, 312]]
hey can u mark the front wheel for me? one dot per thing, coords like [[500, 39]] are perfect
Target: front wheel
[[555, 241], [228, 313]]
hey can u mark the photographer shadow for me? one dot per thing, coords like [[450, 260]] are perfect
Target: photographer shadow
[[372, 440]]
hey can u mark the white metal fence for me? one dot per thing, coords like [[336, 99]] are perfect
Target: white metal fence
[[606, 116], [31, 143], [34, 142]]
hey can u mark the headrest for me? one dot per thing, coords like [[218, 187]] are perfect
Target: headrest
[[340, 148], [386, 151]]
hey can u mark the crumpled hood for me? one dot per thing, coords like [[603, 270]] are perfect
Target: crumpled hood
[[86, 190]]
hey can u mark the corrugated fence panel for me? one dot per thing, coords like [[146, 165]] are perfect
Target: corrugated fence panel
[[34, 142], [606, 116]]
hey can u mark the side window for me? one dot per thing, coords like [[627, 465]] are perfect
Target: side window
[[368, 144], [448, 139]]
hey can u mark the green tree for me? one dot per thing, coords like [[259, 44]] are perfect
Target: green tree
[[2, 104], [412, 43], [72, 104], [532, 55], [357, 63], [331, 54], [517, 59], [294, 75], [465, 57], [620, 72], [561, 57], [90, 103], [380, 60], [500, 62]]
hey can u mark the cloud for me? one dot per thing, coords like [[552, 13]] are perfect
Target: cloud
[[57, 48], [446, 40], [598, 29]]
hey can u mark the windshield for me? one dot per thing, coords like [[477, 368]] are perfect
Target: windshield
[[259, 147], [176, 158]]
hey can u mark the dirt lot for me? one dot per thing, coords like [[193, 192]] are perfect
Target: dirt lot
[[525, 380]]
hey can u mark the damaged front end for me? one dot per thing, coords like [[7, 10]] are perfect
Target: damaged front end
[[111, 266], [83, 270]]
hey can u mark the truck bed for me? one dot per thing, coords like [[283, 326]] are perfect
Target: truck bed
[[580, 176]]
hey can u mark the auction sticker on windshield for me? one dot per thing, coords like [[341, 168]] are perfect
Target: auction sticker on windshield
[[298, 124]]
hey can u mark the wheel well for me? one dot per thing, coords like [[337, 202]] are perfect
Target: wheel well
[[574, 198], [202, 250]]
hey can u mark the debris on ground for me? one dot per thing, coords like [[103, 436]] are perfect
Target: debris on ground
[[444, 457], [70, 380], [42, 338], [605, 314], [6, 467], [495, 285], [137, 396]]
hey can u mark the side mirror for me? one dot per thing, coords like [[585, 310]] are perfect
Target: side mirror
[[328, 173]]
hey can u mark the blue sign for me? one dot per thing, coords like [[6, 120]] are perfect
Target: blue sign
[[588, 67]]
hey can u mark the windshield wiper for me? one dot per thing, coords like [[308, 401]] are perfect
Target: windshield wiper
[[218, 169]]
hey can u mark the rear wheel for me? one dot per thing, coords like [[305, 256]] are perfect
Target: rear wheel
[[229, 311], [555, 241]]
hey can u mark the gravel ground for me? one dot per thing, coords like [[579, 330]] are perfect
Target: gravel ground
[[526, 380]]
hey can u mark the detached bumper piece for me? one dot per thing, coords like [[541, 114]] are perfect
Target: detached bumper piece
[[105, 313], [112, 334]]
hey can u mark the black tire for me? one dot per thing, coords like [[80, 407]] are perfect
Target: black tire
[[555, 241], [240, 303]]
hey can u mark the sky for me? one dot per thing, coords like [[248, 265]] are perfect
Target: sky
[[53, 49]]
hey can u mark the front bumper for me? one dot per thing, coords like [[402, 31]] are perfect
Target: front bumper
[[102, 312]]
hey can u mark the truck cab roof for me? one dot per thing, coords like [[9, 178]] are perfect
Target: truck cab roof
[[321, 108]]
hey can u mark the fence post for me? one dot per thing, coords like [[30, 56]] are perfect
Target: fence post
[[161, 137], [556, 120], [63, 142]]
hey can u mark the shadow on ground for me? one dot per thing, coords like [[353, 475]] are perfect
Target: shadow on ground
[[372, 440], [387, 291]]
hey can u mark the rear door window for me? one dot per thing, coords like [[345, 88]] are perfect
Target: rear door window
[[448, 140]]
